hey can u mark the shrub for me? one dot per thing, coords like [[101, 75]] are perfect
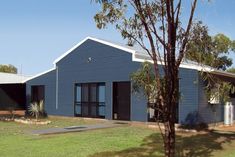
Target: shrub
[[36, 108]]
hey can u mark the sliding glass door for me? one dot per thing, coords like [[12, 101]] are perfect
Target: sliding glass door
[[90, 100]]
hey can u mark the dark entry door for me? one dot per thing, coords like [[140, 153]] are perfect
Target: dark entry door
[[121, 100], [37, 93]]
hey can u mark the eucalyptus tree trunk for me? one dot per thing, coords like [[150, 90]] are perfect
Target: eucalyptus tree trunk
[[171, 100]]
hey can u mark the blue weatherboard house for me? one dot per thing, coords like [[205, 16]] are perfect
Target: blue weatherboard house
[[92, 79]]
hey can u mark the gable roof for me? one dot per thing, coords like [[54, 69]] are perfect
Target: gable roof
[[7, 78], [121, 47], [140, 55]]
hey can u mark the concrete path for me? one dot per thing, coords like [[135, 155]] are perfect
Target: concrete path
[[75, 128]]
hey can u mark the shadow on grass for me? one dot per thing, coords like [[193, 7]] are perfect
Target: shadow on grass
[[151, 146], [198, 145], [202, 145]]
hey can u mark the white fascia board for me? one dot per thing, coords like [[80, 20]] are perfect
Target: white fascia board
[[94, 39], [70, 50], [112, 45], [202, 68], [40, 74], [182, 65], [196, 67]]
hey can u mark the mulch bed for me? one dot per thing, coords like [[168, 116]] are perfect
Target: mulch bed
[[19, 117], [25, 120]]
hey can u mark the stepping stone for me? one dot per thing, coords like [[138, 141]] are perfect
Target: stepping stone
[[74, 129]]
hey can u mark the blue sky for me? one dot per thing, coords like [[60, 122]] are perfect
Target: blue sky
[[33, 33]]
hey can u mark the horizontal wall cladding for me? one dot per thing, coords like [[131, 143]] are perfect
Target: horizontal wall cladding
[[49, 81], [188, 86], [95, 62], [205, 110]]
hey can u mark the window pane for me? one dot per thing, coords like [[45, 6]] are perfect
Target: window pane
[[102, 110], [93, 109], [101, 93], [78, 93], [93, 92], [78, 109], [85, 109], [85, 93]]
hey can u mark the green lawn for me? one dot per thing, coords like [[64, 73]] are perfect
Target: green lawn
[[126, 141]]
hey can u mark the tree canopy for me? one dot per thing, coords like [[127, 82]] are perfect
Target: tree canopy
[[209, 50], [143, 81], [8, 69], [156, 25], [231, 70]]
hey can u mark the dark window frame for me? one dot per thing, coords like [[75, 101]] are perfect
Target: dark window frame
[[89, 103]]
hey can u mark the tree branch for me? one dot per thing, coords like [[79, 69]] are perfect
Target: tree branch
[[185, 40], [177, 14]]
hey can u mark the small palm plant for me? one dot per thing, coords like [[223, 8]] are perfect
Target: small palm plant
[[36, 108]]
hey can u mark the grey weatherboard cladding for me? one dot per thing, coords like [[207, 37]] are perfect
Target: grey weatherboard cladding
[[48, 80], [107, 64]]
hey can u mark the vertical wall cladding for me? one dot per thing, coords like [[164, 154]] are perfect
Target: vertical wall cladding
[[205, 110], [188, 86], [96, 62], [48, 80]]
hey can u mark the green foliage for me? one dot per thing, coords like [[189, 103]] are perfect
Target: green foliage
[[216, 88], [144, 80], [128, 20], [209, 50], [231, 70], [212, 51], [226, 90], [8, 69], [111, 12], [36, 108]]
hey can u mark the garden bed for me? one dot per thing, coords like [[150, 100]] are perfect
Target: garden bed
[[26, 120]]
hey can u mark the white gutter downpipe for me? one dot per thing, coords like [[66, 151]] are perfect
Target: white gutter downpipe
[[56, 88]]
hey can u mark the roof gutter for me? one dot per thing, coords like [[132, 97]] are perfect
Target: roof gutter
[[223, 73]]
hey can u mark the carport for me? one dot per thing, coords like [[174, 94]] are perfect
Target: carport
[[12, 92]]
